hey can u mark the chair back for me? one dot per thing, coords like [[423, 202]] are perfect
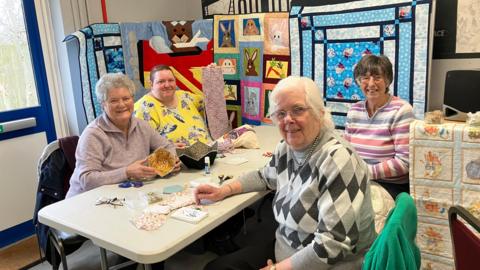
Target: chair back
[[55, 168], [465, 241]]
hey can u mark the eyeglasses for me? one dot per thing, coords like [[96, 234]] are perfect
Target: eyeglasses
[[366, 78], [295, 112], [116, 101]]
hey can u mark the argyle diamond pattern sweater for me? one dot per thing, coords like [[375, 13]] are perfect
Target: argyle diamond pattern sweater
[[324, 209]]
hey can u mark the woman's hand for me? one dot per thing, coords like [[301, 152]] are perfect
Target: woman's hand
[[269, 265], [211, 193], [137, 170], [283, 265], [177, 167], [180, 145]]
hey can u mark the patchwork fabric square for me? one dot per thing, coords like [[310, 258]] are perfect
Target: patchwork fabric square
[[235, 115], [225, 34], [276, 68], [251, 27], [327, 41], [251, 61], [251, 97], [267, 89], [231, 92], [230, 64], [100, 52], [276, 34]]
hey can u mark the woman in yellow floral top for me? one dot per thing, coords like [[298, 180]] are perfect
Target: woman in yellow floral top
[[175, 114]]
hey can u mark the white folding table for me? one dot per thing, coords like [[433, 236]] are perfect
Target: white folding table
[[110, 228]]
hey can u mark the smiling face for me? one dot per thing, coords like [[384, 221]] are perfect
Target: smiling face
[[374, 87], [299, 127], [164, 86], [119, 106]]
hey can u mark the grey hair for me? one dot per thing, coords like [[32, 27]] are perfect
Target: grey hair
[[110, 81], [313, 97], [374, 65]]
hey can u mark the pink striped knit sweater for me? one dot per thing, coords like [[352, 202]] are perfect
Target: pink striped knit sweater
[[382, 140]]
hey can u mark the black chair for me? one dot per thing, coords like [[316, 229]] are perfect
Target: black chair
[[55, 167], [465, 241]]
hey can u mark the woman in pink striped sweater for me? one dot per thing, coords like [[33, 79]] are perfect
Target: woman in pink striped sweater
[[378, 127]]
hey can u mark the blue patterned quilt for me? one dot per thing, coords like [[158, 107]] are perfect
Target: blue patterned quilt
[[100, 52], [327, 41]]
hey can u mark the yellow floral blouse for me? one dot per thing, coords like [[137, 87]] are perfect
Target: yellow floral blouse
[[182, 124]]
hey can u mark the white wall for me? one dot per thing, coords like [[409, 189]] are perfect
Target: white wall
[[148, 10]]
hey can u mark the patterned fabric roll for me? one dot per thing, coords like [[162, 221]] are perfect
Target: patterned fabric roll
[[215, 106]]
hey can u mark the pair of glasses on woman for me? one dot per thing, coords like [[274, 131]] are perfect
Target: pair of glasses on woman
[[366, 78], [294, 112]]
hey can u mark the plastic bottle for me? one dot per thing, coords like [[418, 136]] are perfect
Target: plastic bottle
[[207, 166]]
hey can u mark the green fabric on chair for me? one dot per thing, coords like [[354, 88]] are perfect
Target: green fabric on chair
[[395, 247]]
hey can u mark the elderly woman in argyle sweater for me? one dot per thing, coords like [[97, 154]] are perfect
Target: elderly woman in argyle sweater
[[322, 195]]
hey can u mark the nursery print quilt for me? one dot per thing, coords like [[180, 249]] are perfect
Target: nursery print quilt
[[100, 52], [327, 41], [253, 52], [186, 67], [445, 171], [173, 43]]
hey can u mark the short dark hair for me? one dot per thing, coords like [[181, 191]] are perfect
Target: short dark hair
[[374, 65], [158, 68]]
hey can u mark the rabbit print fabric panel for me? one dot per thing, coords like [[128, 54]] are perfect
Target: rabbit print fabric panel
[[327, 41], [276, 34], [251, 27], [251, 97], [248, 61], [225, 31], [445, 163], [100, 52], [251, 61]]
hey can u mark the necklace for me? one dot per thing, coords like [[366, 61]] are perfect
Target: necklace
[[307, 157]]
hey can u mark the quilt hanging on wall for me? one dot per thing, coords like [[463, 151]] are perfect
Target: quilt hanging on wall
[[183, 45], [327, 41], [100, 52], [186, 46], [253, 51]]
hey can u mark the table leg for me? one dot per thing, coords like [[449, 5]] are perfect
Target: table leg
[[104, 261]]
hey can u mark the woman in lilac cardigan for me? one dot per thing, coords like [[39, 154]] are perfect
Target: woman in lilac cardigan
[[114, 147]]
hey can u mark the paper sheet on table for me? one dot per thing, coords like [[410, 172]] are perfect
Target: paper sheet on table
[[235, 160]]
